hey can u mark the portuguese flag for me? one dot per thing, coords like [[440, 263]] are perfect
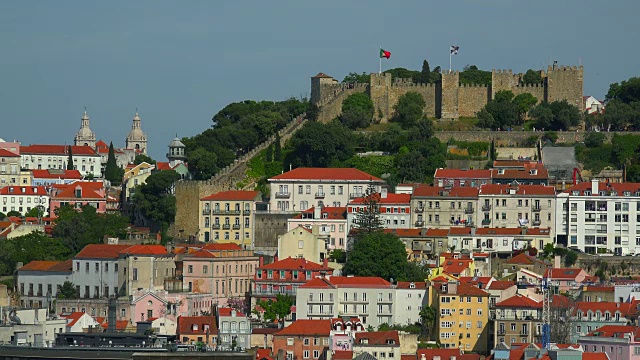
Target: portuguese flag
[[384, 54]]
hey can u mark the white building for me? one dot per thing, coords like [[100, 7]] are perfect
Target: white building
[[600, 217], [379, 344], [233, 324], [592, 105], [95, 270], [85, 158], [503, 240], [369, 298], [23, 198], [330, 221], [38, 281], [34, 328], [394, 210], [302, 188], [78, 322], [410, 298]]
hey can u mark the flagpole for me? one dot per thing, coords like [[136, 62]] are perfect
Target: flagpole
[[450, 52], [380, 60]]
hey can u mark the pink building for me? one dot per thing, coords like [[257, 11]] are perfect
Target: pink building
[[79, 193], [618, 342], [222, 273], [153, 304], [395, 209], [566, 278], [331, 222]]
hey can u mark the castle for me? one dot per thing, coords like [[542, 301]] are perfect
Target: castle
[[446, 99]]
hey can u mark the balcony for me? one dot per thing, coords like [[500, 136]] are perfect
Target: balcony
[[320, 195], [282, 195], [536, 222], [419, 209], [206, 212], [226, 226], [355, 195], [246, 212], [272, 292], [215, 226], [468, 210], [328, 300], [486, 207], [501, 332], [236, 226], [524, 332], [486, 221], [419, 223], [536, 208]]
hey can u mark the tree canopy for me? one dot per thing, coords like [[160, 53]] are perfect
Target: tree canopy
[[532, 77], [26, 248], [409, 109], [381, 254], [111, 171], [354, 77], [357, 111], [155, 200], [472, 75], [76, 229], [320, 145], [367, 219], [276, 311], [140, 158], [557, 115]]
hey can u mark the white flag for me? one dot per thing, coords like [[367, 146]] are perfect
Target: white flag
[[454, 49]]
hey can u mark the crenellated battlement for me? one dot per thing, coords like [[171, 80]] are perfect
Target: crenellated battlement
[[450, 73], [565, 68], [474, 86], [410, 85], [526, 86]]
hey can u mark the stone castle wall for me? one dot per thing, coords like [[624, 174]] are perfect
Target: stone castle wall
[[518, 138], [448, 99], [189, 192]]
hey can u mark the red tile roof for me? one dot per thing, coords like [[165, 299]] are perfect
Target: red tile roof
[[475, 281], [407, 285], [202, 254], [406, 232], [101, 251], [519, 301], [523, 259], [57, 150], [348, 282], [28, 190], [462, 174], [144, 250], [7, 153], [51, 266], [232, 195], [89, 190], [469, 290], [616, 331], [620, 188], [563, 273], [344, 355], [540, 173], [307, 327], [387, 338], [625, 309], [390, 199], [332, 213], [162, 166], [263, 354], [294, 264], [326, 174], [433, 191], [222, 246], [437, 232], [503, 189], [186, 323], [501, 285], [599, 288], [73, 318], [56, 174], [120, 325], [456, 266], [226, 311]]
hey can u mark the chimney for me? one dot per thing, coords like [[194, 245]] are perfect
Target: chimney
[[317, 212], [594, 186], [556, 262], [452, 287], [325, 262], [275, 258], [261, 261], [383, 193]]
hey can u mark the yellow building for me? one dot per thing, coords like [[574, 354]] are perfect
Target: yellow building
[[10, 170], [228, 217], [135, 175], [464, 316]]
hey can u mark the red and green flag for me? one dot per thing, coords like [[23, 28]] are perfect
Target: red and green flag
[[384, 54]]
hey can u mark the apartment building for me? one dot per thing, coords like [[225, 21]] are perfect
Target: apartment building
[[78, 194], [380, 344], [437, 207], [39, 281], [517, 319], [10, 169], [96, 269], [85, 158], [330, 221], [394, 209], [514, 205], [228, 216], [612, 342], [410, 298], [302, 188], [304, 243], [284, 277], [54, 176], [223, 273], [369, 298], [235, 329], [450, 178], [23, 198], [464, 315], [503, 240], [197, 329], [304, 339], [600, 218], [144, 267], [530, 174], [589, 316]]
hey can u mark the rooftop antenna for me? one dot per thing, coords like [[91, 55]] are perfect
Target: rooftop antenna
[[579, 61]]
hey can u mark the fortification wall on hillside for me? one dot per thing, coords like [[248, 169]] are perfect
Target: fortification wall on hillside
[[427, 91], [331, 106], [518, 138], [189, 192], [472, 98]]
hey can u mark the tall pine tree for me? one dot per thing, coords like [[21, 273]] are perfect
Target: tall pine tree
[[277, 156], [111, 172], [269, 154], [70, 160], [367, 218]]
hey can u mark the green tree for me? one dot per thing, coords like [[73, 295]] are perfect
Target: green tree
[[381, 254], [627, 91], [338, 256], [547, 250], [409, 109], [13, 213], [354, 77], [485, 119], [524, 102], [2, 215], [570, 258], [551, 136], [594, 139], [357, 111], [268, 156], [277, 153], [70, 159], [320, 145], [111, 172], [76, 229], [68, 291], [276, 311], [472, 75], [34, 212], [155, 201], [501, 112], [532, 77], [558, 115], [30, 247], [367, 219], [140, 158], [625, 149], [428, 317], [202, 163]]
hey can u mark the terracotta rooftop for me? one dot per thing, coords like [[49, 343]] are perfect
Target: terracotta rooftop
[[563, 273], [435, 191], [462, 174], [519, 301], [504, 189], [307, 327], [226, 311], [348, 282], [373, 338], [625, 309], [196, 325], [345, 174], [501, 285], [7, 153], [408, 285], [49, 266], [523, 259], [24, 190], [101, 251], [619, 188], [89, 190], [524, 174], [144, 250], [331, 213], [57, 150], [294, 264], [232, 195]]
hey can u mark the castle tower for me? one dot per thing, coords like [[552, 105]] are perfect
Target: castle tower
[[450, 85], [136, 139], [565, 83], [502, 80], [379, 90], [319, 92], [85, 136], [176, 153]]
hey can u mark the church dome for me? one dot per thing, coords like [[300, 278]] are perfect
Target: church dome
[[136, 133], [85, 136], [176, 143]]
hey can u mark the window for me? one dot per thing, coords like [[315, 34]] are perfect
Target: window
[[205, 269], [135, 274], [190, 269], [305, 354], [316, 354], [289, 341]]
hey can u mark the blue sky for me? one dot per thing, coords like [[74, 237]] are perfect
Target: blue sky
[[181, 62]]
